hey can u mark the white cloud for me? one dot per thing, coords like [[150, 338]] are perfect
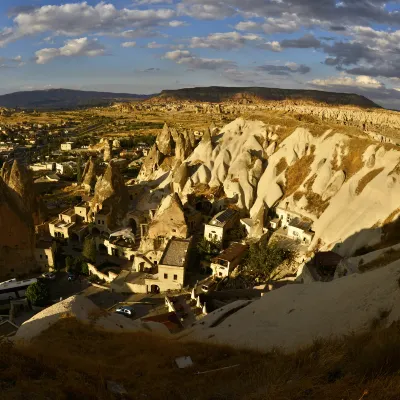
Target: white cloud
[[128, 44], [206, 11], [176, 24], [272, 46], [186, 57], [74, 19], [225, 41], [72, 48], [361, 81]]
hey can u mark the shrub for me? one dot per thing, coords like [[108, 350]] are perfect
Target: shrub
[[38, 294]]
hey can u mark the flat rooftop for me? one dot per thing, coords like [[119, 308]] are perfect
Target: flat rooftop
[[223, 217], [234, 251], [175, 253], [70, 212], [300, 224]]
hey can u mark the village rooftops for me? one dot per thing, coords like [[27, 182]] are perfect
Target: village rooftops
[[300, 224], [234, 251], [70, 212], [223, 217], [175, 253]]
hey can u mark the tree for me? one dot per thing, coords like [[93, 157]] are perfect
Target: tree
[[84, 268], [38, 294], [89, 249], [206, 249], [262, 260]]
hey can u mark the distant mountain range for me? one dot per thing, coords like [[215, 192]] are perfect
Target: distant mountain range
[[57, 99], [218, 94]]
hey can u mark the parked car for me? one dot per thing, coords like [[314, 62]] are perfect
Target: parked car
[[125, 310], [71, 276], [49, 275]]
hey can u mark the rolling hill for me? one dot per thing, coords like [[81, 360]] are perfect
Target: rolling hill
[[64, 99]]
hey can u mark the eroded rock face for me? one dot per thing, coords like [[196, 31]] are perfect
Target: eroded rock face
[[170, 150], [89, 176], [169, 219], [17, 234], [20, 180], [110, 192], [107, 151]]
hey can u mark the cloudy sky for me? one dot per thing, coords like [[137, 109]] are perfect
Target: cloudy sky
[[144, 46]]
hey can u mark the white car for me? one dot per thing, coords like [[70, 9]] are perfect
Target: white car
[[49, 275], [125, 310]]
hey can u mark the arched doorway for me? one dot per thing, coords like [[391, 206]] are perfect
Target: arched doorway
[[155, 289]]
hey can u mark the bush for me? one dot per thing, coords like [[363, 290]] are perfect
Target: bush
[[38, 294]]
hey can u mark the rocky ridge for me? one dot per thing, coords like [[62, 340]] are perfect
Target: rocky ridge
[[348, 184], [110, 193], [17, 234]]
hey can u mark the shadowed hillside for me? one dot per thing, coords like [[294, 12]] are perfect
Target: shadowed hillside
[[71, 360], [220, 94], [64, 99]]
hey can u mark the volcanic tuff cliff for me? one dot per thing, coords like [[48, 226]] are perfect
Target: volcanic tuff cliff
[[17, 234], [220, 94], [344, 181], [111, 194], [20, 180]]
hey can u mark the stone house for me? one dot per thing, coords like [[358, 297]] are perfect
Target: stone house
[[171, 268], [45, 254], [300, 230], [67, 146], [70, 224], [224, 263], [216, 229]]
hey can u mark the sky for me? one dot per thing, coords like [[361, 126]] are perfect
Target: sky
[[145, 46]]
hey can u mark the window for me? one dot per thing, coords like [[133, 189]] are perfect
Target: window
[[175, 277], [41, 256], [102, 222], [210, 235], [165, 276], [98, 221]]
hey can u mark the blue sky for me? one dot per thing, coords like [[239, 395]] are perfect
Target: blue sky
[[144, 46]]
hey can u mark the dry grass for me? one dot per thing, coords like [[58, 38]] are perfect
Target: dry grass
[[281, 166], [297, 173], [353, 162], [73, 361], [383, 260], [367, 179]]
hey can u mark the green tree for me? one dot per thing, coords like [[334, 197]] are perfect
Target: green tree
[[84, 268], [89, 249], [38, 294], [262, 260], [207, 249]]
